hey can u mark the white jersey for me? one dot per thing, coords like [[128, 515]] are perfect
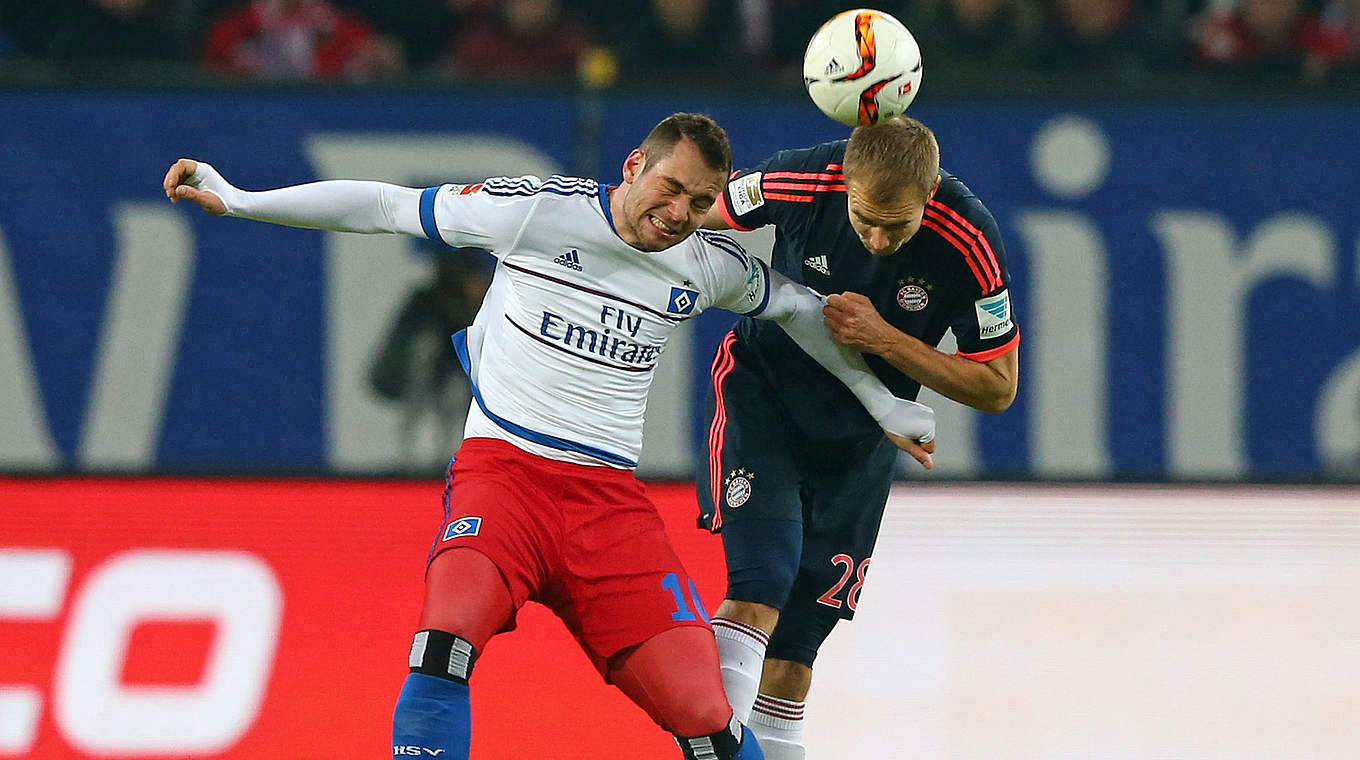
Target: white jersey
[[564, 348]]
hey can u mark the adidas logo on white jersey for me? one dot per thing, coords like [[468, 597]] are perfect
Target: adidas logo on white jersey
[[817, 264], [571, 260]]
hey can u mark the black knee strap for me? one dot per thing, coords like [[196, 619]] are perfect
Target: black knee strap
[[723, 745], [443, 655]]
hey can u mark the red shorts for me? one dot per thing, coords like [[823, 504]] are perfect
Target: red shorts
[[584, 541]]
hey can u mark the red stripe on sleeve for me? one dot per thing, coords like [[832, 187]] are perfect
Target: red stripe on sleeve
[[992, 353], [727, 215], [790, 198], [807, 176], [795, 186], [993, 277], [983, 280], [993, 264]]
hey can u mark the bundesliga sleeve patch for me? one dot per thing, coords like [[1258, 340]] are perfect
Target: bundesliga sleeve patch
[[744, 193], [757, 286], [994, 315]]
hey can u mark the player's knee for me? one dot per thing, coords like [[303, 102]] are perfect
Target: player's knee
[[686, 701], [706, 715], [466, 595], [674, 677], [755, 614], [687, 706]]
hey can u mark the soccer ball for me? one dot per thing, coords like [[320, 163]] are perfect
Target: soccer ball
[[861, 67]]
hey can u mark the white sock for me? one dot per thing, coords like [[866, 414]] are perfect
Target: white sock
[[778, 724], [741, 651]]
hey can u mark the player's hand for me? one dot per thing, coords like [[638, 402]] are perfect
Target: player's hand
[[184, 181], [854, 322], [919, 451]]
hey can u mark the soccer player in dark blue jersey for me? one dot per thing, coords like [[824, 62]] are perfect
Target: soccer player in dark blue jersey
[[798, 473]]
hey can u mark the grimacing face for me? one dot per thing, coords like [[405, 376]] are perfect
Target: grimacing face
[[665, 203], [883, 224]]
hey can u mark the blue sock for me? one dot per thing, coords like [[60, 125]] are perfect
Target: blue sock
[[433, 719], [750, 748], [723, 745]]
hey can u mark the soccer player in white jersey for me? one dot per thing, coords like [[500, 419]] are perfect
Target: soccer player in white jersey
[[541, 502]]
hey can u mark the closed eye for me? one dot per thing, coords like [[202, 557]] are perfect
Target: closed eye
[[893, 227]]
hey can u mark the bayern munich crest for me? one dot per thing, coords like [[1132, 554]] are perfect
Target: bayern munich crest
[[738, 484], [912, 297]]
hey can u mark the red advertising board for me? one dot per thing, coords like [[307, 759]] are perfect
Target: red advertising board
[[216, 618]]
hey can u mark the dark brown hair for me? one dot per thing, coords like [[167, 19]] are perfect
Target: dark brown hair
[[704, 132]]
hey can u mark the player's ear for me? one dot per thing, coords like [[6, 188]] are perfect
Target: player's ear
[[934, 188], [632, 166]]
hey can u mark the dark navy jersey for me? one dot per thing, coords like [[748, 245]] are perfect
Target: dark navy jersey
[[950, 274]]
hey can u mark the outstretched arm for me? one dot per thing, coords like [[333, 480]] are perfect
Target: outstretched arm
[[336, 205], [798, 311]]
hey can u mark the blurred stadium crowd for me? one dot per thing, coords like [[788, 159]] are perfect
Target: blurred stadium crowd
[[716, 42]]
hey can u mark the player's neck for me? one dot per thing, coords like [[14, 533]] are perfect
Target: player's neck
[[616, 194]]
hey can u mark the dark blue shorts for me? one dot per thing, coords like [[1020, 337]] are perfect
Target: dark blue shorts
[[798, 519]]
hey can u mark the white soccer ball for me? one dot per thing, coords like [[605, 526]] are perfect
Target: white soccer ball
[[862, 66]]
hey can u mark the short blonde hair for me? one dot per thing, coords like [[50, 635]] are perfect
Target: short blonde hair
[[893, 155]]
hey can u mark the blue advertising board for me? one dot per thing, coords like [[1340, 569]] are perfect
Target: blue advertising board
[[1185, 278]]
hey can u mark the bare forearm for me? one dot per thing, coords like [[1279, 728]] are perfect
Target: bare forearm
[[987, 387], [980, 385], [714, 219]]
